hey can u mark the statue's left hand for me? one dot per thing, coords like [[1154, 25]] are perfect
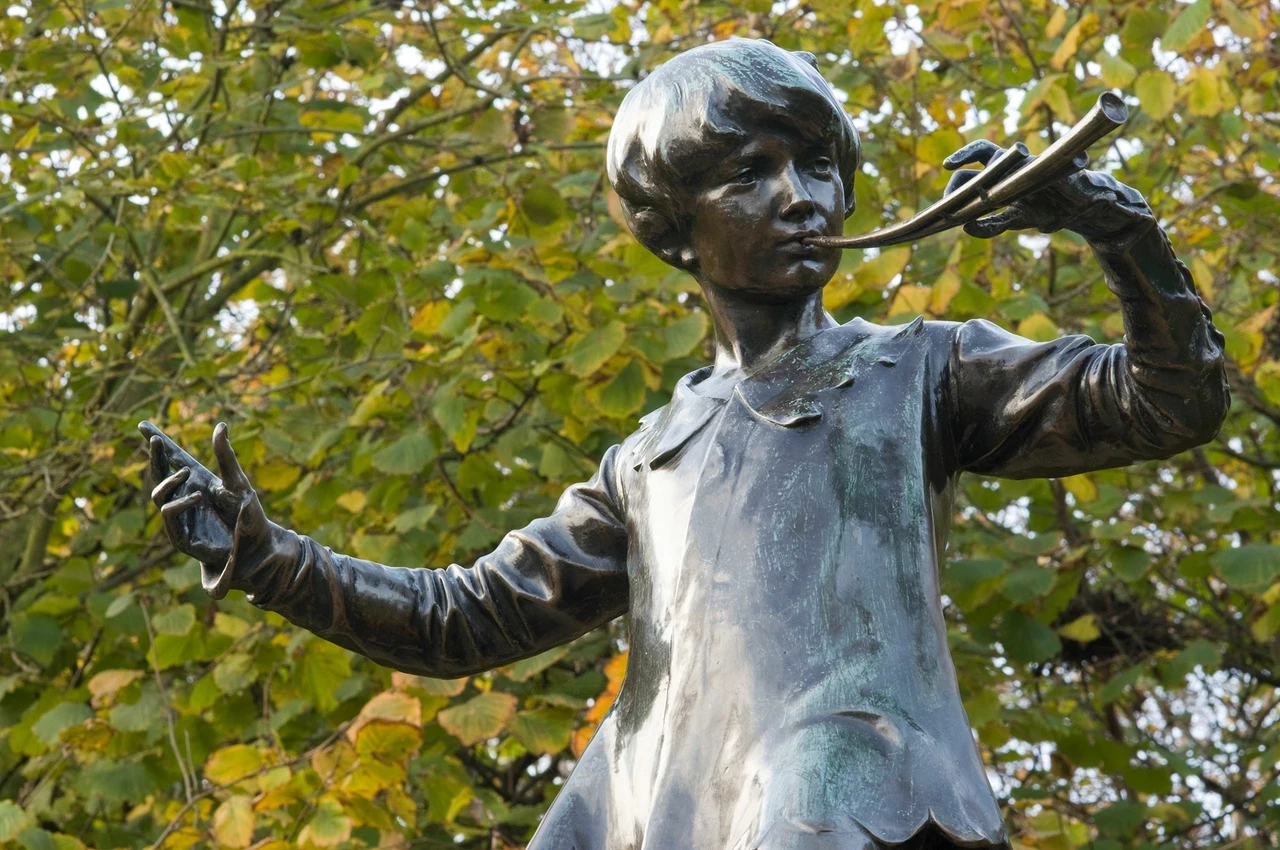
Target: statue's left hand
[[1052, 208], [203, 514]]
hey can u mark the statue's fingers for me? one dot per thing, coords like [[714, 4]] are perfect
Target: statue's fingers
[[994, 225], [177, 506], [233, 477], [167, 487], [176, 455], [983, 151], [158, 459], [959, 179]]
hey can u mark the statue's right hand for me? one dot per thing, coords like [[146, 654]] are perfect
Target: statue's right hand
[[203, 515]]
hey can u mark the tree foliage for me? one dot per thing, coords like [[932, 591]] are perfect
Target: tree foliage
[[376, 238]]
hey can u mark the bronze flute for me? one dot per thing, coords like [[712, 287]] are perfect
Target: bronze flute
[[1011, 176]]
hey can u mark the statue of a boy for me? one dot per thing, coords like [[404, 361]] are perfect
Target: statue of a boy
[[775, 532]]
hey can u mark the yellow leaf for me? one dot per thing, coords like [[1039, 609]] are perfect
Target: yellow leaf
[[275, 475], [1204, 98], [880, 271], [27, 137], [1244, 25], [1156, 92], [429, 317], [1203, 276], [1083, 28], [1081, 486], [388, 705], [910, 300], [353, 500], [1082, 629], [1038, 327], [433, 687], [232, 764], [1056, 23], [943, 290], [233, 822], [104, 685]]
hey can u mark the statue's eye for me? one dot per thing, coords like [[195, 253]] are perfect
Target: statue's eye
[[745, 177], [821, 164]]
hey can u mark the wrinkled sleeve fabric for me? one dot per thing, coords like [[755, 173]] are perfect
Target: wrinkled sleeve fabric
[[1022, 409], [546, 584]]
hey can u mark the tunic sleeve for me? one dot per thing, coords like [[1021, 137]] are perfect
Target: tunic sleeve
[[1022, 409], [550, 582]]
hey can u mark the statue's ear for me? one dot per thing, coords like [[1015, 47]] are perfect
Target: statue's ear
[[660, 235]]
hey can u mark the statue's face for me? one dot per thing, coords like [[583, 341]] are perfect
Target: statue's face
[[753, 208]]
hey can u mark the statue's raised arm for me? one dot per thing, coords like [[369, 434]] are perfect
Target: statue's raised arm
[[544, 585]]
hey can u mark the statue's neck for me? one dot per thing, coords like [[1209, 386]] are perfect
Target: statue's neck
[[751, 333]]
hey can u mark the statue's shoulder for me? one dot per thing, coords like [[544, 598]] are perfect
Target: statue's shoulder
[[915, 333]]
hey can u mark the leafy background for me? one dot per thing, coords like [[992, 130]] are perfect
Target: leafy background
[[375, 237]]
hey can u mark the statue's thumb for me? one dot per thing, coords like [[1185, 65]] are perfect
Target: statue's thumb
[[992, 225], [233, 477]]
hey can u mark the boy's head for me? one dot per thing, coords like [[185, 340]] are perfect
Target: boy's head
[[716, 119]]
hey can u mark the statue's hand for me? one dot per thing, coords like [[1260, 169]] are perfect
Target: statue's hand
[[1052, 208], [203, 514]]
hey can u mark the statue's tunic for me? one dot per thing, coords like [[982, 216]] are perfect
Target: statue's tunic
[[778, 551]]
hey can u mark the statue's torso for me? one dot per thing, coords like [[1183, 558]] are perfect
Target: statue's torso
[[789, 664]]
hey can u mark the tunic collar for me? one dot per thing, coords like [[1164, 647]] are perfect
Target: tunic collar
[[783, 392]]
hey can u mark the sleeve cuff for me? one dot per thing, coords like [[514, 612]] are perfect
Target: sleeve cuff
[[255, 557]]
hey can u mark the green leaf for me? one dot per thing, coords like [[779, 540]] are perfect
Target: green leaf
[[234, 673], [115, 783], [1130, 563], [1252, 567], [446, 797], [176, 621], [12, 820], [60, 717], [321, 669], [683, 335], [1157, 92], [1027, 583], [408, 455], [479, 718], [36, 636], [1189, 23], [329, 827], [625, 393], [1117, 685], [139, 715], [1121, 819], [1116, 73], [35, 838], [591, 352], [543, 730], [413, 235], [414, 518], [1026, 640], [542, 204], [523, 670], [1199, 653]]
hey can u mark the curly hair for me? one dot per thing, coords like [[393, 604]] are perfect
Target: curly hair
[[682, 118]]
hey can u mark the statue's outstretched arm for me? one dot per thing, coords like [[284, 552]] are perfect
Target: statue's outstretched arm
[[1021, 409], [550, 582]]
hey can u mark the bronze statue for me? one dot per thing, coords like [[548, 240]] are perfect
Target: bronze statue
[[776, 531]]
